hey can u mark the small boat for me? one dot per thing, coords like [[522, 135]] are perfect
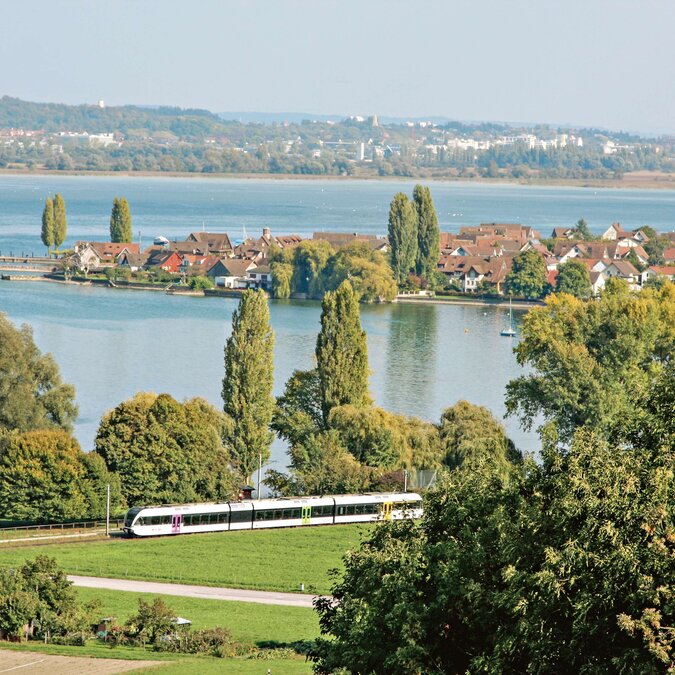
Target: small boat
[[510, 331]]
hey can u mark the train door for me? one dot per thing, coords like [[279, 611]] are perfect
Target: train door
[[306, 514], [386, 510], [176, 522]]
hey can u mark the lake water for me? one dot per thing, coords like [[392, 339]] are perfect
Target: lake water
[[111, 344], [173, 207]]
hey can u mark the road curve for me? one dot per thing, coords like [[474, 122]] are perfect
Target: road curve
[[188, 590]]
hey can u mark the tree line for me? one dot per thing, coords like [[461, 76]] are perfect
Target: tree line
[[154, 449], [55, 226]]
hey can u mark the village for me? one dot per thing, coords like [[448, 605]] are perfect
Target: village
[[476, 260]]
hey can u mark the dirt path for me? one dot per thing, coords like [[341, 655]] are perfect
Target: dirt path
[[35, 663]]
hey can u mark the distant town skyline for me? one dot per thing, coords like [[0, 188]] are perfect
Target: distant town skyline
[[592, 63]]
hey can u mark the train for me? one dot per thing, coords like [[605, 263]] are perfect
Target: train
[[156, 521]]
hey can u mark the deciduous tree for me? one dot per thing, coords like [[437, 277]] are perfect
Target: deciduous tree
[[574, 278], [32, 395], [592, 362], [402, 236], [60, 222], [43, 477], [120, 221], [165, 451], [564, 566], [368, 272], [527, 277], [47, 233], [428, 233], [248, 383], [470, 434], [342, 352]]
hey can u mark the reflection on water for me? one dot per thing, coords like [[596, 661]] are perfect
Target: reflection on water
[[111, 344]]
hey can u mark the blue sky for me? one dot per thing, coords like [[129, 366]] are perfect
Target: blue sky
[[609, 63]]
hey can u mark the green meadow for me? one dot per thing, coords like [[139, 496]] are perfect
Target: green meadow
[[262, 625], [276, 560]]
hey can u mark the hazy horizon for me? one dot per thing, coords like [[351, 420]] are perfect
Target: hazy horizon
[[587, 63]]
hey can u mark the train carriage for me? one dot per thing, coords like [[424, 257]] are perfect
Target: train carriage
[[153, 521]]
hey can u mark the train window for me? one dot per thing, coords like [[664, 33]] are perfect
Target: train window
[[278, 514], [242, 516], [322, 511], [223, 517], [347, 510]]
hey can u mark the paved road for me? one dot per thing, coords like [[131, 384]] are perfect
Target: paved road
[[205, 592]]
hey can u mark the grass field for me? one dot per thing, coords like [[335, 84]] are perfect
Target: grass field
[[262, 625], [277, 560], [250, 622]]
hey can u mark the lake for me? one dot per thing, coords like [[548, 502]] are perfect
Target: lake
[[173, 207], [111, 344]]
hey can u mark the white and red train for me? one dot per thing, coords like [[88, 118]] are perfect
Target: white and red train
[[154, 521]]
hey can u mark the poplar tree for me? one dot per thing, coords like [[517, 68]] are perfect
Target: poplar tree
[[47, 234], [402, 236], [120, 221], [342, 352], [60, 225], [428, 234], [248, 382]]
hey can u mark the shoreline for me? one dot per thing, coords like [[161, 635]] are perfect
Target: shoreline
[[641, 180], [442, 300]]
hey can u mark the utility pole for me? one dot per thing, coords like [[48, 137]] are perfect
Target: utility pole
[[405, 480], [107, 511], [259, 472]]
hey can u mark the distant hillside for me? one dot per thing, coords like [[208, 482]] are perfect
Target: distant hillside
[[278, 118], [53, 117]]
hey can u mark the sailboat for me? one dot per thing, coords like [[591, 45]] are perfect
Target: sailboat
[[510, 331]]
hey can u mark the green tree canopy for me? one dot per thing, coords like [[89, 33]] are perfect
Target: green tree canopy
[[592, 362], [582, 230], [564, 566], [470, 434], [342, 351], [402, 236], [32, 395], [47, 233], [42, 476], [310, 258], [248, 383], [378, 438], [428, 233], [39, 596], [527, 277], [655, 245], [165, 451], [574, 278], [368, 272], [282, 274], [120, 221], [60, 223]]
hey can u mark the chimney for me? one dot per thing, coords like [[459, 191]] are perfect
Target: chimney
[[267, 233]]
